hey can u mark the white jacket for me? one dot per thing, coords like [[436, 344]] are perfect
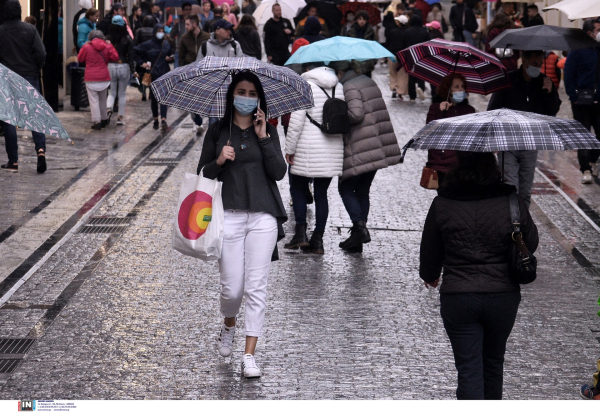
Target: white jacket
[[316, 154]]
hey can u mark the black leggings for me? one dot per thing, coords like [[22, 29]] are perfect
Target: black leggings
[[154, 107]]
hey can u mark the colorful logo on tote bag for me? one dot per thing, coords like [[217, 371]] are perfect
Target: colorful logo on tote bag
[[195, 214]]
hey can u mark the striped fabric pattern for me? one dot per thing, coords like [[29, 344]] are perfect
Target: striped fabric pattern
[[504, 130], [433, 60], [201, 87]]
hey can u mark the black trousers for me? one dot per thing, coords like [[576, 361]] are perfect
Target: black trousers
[[588, 116], [478, 325], [280, 59], [412, 90]]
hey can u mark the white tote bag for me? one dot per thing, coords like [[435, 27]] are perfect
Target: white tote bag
[[198, 226]]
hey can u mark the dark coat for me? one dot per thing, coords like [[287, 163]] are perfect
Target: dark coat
[[394, 39], [312, 30], [444, 160], [276, 41], [74, 28], [510, 63], [249, 40], [104, 24], [143, 35], [456, 16], [467, 233], [367, 33], [21, 47], [536, 21], [190, 46], [414, 35], [526, 96], [154, 51], [125, 50], [581, 72]]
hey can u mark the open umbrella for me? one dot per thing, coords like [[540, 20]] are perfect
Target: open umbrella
[[289, 10], [339, 48], [201, 87], [433, 60], [22, 106], [354, 6], [577, 9], [544, 37], [327, 11]]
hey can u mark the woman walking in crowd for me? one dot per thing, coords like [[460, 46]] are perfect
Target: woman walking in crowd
[[362, 29], [121, 70], [135, 20], [248, 38], [86, 25], [96, 55], [155, 55], [467, 233], [229, 16], [398, 78], [313, 154], [370, 146], [453, 90], [508, 57], [243, 151], [143, 35], [248, 7]]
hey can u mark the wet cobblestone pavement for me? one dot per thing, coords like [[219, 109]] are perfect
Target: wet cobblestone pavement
[[115, 313]]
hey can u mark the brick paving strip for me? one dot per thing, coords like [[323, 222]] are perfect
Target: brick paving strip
[[338, 326]]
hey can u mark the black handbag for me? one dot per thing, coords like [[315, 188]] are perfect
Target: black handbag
[[522, 265], [586, 97]]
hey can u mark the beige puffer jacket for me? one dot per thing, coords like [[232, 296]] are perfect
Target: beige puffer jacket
[[371, 144]]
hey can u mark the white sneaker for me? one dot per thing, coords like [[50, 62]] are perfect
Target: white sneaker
[[249, 368], [595, 169], [420, 93], [587, 177], [225, 340]]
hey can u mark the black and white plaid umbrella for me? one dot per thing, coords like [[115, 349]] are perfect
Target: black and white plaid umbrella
[[503, 130]]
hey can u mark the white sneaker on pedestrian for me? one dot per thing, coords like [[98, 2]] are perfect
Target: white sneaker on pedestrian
[[595, 169], [225, 340], [420, 93], [587, 177], [249, 368]]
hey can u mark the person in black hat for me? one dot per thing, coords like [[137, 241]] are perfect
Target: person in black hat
[[221, 42], [116, 9]]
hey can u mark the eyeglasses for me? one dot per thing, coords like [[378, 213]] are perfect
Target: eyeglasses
[[245, 140]]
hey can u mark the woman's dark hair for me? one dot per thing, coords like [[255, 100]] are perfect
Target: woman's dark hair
[[474, 168], [134, 9], [501, 21], [361, 14], [446, 84], [116, 33], [237, 78], [311, 65], [247, 20], [148, 21]]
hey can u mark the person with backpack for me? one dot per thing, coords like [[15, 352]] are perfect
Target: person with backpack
[[221, 42], [370, 145], [313, 151]]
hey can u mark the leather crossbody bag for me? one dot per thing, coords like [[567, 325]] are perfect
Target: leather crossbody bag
[[522, 265], [147, 78], [586, 97], [429, 178]]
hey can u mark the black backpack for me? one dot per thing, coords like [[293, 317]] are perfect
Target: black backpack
[[335, 115]]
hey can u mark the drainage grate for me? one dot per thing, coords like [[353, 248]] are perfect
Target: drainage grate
[[15, 345], [9, 365], [593, 271], [161, 162], [106, 225]]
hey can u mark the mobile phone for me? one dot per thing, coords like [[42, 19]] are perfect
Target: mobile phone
[[256, 112]]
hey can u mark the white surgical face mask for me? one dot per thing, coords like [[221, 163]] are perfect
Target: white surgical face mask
[[598, 37], [533, 72], [160, 36], [350, 18], [458, 97]]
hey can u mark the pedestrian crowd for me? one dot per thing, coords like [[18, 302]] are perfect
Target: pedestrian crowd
[[465, 230]]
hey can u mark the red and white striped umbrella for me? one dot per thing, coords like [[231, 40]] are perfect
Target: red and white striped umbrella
[[433, 60]]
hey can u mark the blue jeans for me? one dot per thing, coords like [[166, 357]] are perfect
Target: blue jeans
[[10, 133], [478, 325], [519, 171], [354, 192], [298, 188], [154, 107], [469, 38], [197, 119]]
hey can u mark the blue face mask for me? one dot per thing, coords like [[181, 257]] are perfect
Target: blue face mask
[[458, 97], [160, 35], [245, 105], [533, 72]]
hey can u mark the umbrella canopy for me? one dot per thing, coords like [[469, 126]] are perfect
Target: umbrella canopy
[[339, 48], [354, 6], [544, 37], [201, 87], [433, 60], [327, 11], [22, 106], [503, 130], [289, 10], [577, 9]]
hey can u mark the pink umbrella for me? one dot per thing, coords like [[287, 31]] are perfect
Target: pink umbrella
[[219, 2]]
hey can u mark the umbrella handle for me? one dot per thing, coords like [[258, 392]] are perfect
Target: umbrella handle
[[404, 149]]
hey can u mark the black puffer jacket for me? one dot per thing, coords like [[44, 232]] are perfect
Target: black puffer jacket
[[467, 233]]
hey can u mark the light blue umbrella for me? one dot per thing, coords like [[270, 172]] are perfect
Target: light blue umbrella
[[22, 106], [339, 48]]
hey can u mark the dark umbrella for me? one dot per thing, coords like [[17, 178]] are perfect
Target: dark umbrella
[[544, 38], [328, 12], [354, 6]]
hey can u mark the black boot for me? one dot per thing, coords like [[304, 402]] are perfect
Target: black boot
[[315, 243], [363, 232], [358, 235], [299, 240]]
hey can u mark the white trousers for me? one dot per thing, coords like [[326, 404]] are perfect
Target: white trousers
[[248, 243], [98, 104]]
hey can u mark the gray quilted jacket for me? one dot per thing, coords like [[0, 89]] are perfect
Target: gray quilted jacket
[[371, 144]]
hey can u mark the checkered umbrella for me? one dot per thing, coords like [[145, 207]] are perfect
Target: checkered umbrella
[[201, 87], [503, 130], [433, 60]]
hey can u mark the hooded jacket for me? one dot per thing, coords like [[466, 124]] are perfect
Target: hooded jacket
[[228, 48], [249, 40], [312, 28], [96, 55], [276, 40], [21, 48], [467, 235], [154, 51], [371, 144], [84, 6], [84, 27], [316, 154], [301, 28]]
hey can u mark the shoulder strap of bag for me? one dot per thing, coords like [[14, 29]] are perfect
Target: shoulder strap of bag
[[313, 121], [101, 55], [159, 54], [515, 217], [203, 48]]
